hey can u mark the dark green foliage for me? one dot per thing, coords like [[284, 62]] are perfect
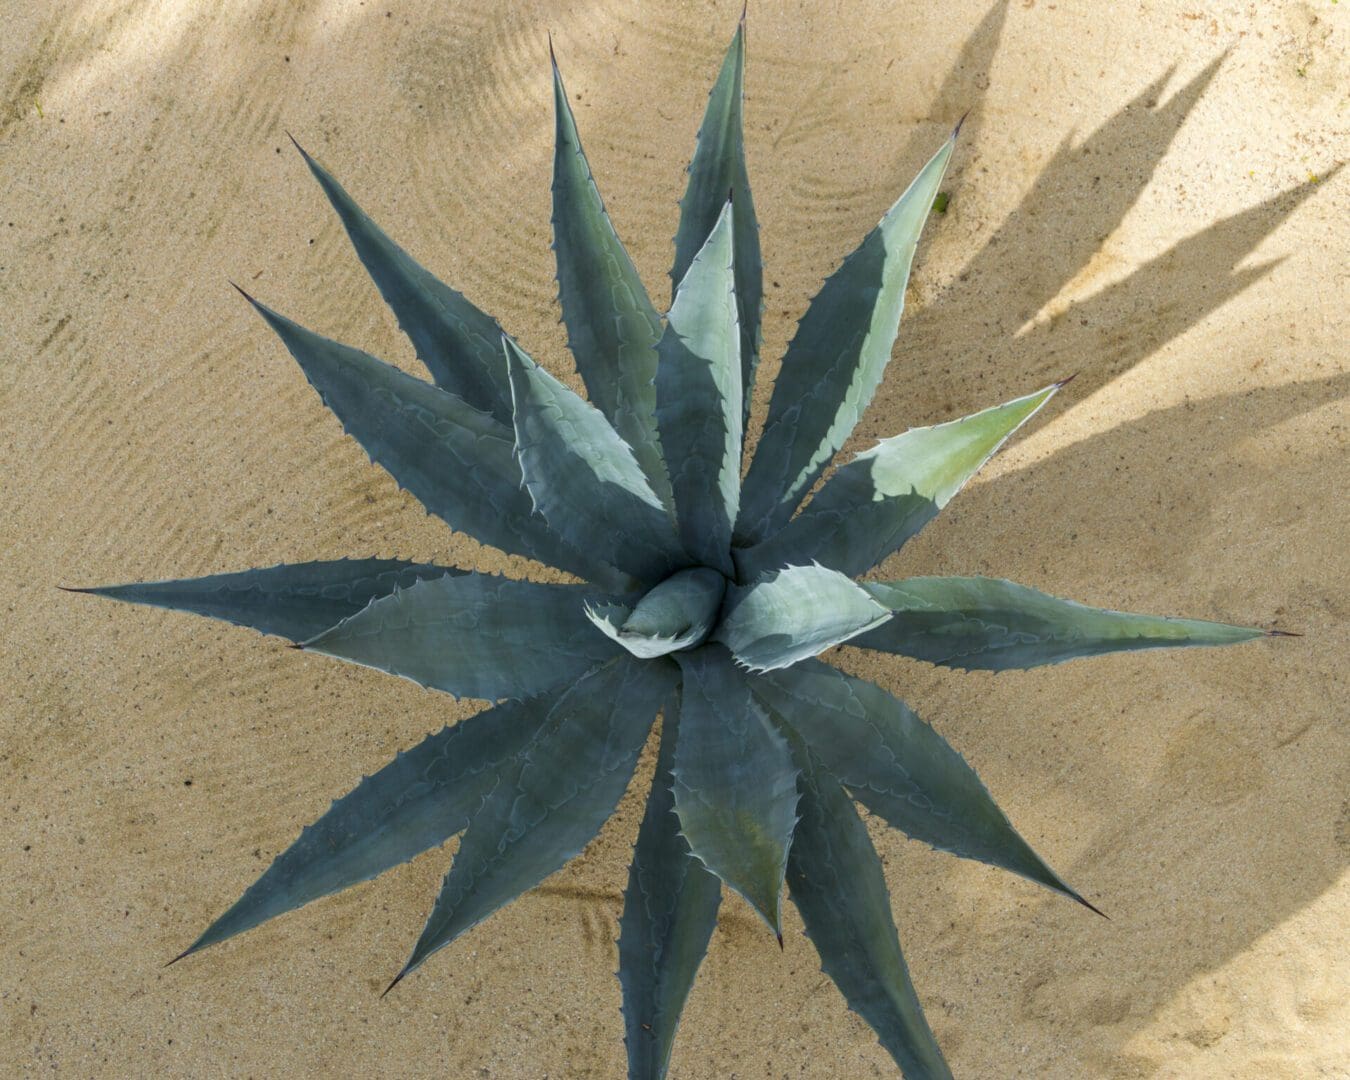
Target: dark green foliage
[[700, 597]]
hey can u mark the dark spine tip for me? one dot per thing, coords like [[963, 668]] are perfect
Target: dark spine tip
[[744, 6], [245, 295], [779, 935], [1065, 382], [1269, 633], [70, 588], [297, 145], [397, 979], [957, 130], [1091, 907], [553, 60], [182, 955]]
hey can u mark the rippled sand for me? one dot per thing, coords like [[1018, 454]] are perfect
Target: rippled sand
[[1141, 196]]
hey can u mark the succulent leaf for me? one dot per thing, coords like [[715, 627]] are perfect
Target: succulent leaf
[[734, 781], [835, 879], [612, 326], [871, 506], [459, 462], [994, 625], [718, 168], [698, 400], [835, 361], [583, 477], [293, 600], [899, 767], [459, 344], [477, 635], [552, 799], [419, 800], [794, 613], [677, 614], [669, 911]]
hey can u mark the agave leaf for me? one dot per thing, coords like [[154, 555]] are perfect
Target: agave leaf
[[459, 344], [584, 479], [794, 613], [669, 911], [612, 326], [871, 506], [899, 767], [993, 625], [676, 614], [419, 800], [698, 400], [477, 635], [835, 879], [835, 361], [458, 462], [553, 798], [718, 168], [293, 600], [734, 781]]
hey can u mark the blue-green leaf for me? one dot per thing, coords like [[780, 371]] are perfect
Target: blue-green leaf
[[835, 362], [584, 479], [459, 462], [550, 802], [459, 344], [293, 600], [669, 911], [677, 614], [993, 625], [794, 613], [871, 506], [899, 767], [419, 800], [718, 168], [477, 635], [612, 326], [835, 879], [698, 401], [735, 783]]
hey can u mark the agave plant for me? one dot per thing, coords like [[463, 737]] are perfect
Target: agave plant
[[705, 599]]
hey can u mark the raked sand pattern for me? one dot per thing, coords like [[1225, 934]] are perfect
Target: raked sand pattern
[[1144, 194]]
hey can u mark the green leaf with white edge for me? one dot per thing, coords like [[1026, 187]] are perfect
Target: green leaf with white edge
[[835, 362], [583, 477], [478, 636], [734, 781], [718, 168], [899, 767], [675, 615], [419, 800], [458, 461], [669, 911], [612, 326], [870, 507], [795, 613], [835, 879], [552, 799], [979, 623], [293, 600], [698, 400], [459, 344]]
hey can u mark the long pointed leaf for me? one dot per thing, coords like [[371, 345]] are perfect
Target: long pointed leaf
[[478, 635], [584, 479], [871, 506], [459, 462], [293, 600], [718, 168], [419, 800], [552, 801], [735, 783], [612, 327], [669, 911], [899, 767], [795, 613], [835, 879], [835, 361], [698, 400], [459, 344], [994, 625]]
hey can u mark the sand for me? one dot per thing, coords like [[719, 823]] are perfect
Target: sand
[[1143, 195]]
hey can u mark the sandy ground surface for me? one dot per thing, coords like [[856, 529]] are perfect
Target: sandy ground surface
[[1144, 195]]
